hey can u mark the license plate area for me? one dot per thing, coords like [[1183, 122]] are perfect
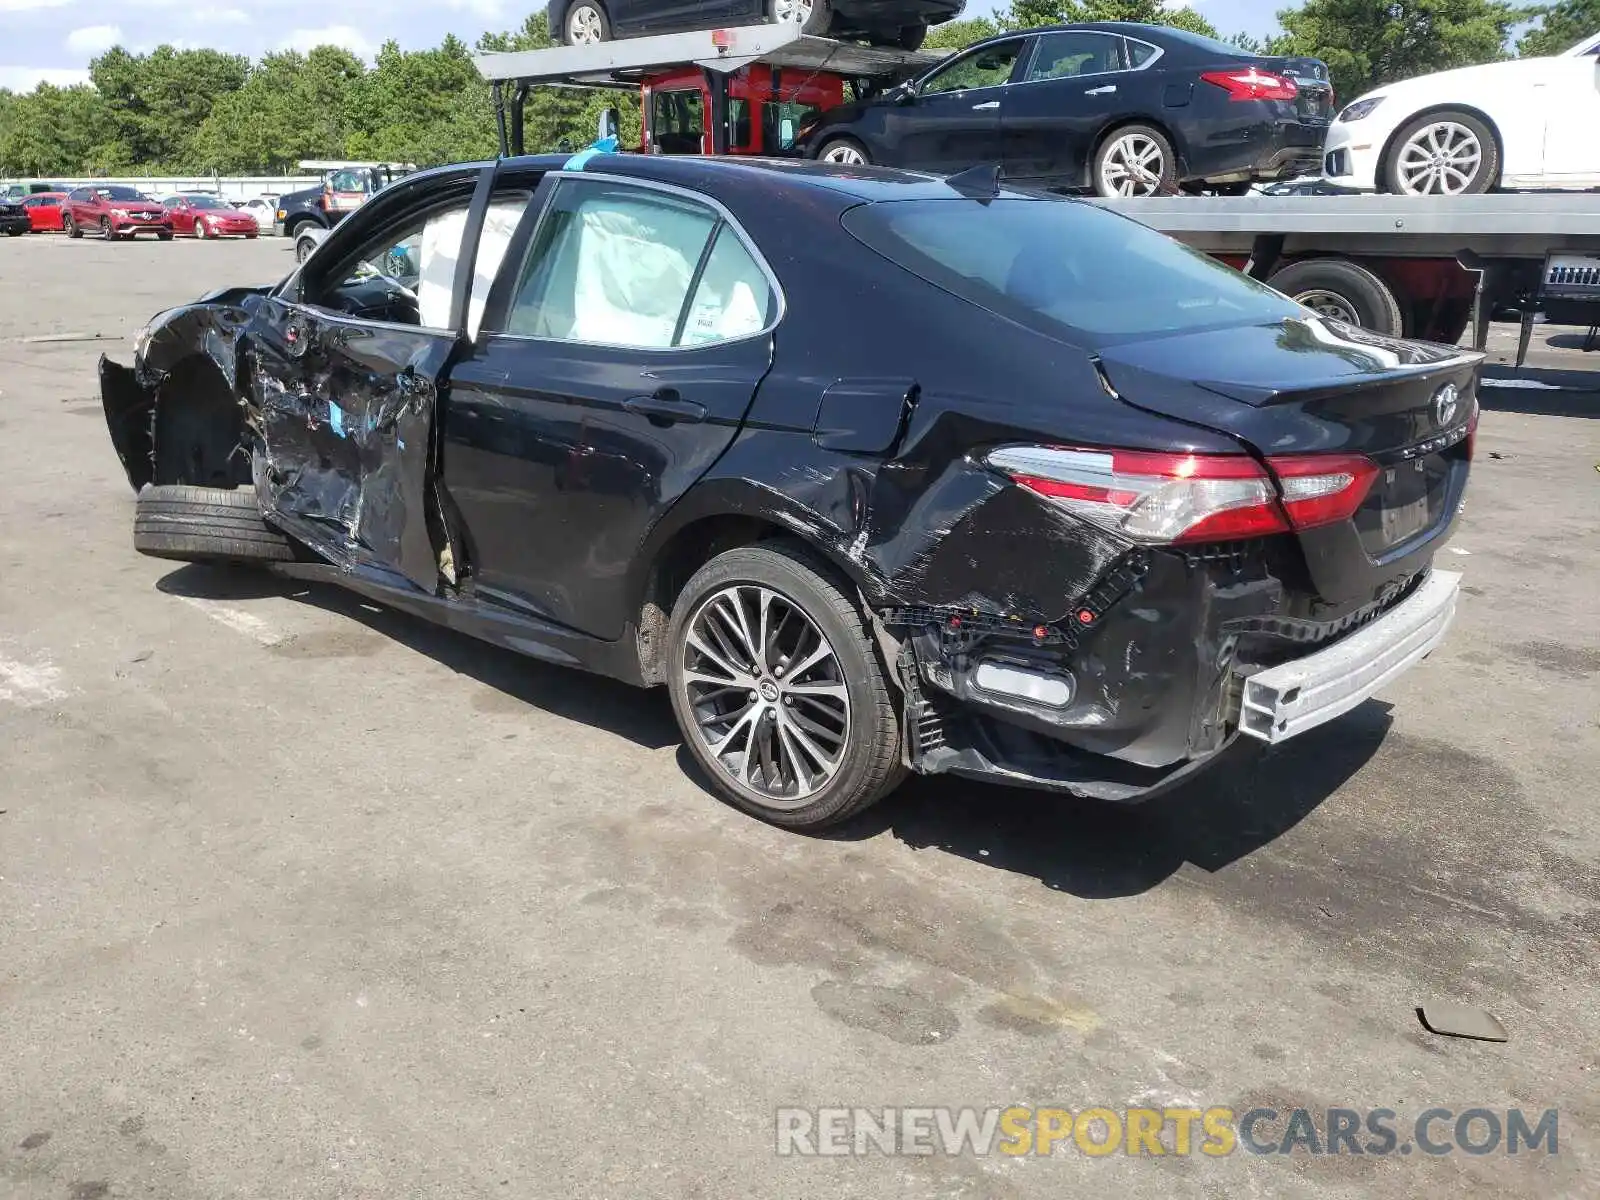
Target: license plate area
[[1402, 521]]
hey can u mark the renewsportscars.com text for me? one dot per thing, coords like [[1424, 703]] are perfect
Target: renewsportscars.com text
[[1214, 1132]]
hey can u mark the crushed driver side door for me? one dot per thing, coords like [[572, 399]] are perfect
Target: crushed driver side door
[[345, 375]]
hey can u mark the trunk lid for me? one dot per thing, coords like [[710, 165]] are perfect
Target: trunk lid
[[1315, 101], [1310, 386]]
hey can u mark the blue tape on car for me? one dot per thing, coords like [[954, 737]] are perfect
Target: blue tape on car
[[335, 418], [603, 146]]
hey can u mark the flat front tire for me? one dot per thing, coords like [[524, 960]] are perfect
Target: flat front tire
[[779, 689], [201, 524]]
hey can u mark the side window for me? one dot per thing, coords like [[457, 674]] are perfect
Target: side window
[[622, 266], [733, 298], [677, 123], [1139, 53], [172, 202], [404, 275], [1065, 55], [987, 67], [499, 223], [78, 196]]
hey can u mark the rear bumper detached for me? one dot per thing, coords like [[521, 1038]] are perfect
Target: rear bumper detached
[[1182, 689], [1289, 699]]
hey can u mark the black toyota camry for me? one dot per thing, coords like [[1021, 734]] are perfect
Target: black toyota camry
[[1122, 108], [874, 472]]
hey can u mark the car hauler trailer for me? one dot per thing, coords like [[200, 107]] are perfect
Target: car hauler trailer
[[1426, 266], [756, 65]]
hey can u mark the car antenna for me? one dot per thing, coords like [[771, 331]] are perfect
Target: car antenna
[[981, 182]]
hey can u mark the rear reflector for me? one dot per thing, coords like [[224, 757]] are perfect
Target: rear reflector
[[1251, 83], [1164, 499]]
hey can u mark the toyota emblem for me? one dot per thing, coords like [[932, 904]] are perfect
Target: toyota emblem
[[1445, 405]]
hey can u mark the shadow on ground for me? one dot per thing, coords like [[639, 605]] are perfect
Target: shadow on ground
[[1089, 848], [644, 718]]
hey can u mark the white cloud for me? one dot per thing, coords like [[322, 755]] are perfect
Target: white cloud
[[478, 8], [21, 5], [24, 79], [227, 16], [93, 39], [348, 36]]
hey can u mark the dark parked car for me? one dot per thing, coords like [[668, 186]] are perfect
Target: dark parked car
[[44, 211], [114, 211], [14, 220], [901, 23], [873, 471], [1125, 109]]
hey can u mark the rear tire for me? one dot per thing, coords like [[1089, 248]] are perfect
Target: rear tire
[[911, 37], [1343, 290], [585, 24], [807, 613], [1136, 160], [845, 151], [197, 524]]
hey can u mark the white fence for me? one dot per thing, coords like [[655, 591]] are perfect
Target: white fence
[[229, 187]]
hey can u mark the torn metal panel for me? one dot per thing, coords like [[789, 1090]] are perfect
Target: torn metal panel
[[345, 412], [130, 412]]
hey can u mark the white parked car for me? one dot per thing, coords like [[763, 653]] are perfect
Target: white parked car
[[263, 209], [1523, 123]]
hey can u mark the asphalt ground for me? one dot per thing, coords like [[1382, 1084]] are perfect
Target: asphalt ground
[[303, 898]]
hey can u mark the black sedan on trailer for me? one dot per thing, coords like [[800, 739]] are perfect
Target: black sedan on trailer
[[1122, 108], [874, 471]]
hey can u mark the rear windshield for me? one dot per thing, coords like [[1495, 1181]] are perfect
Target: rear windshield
[[1064, 267]]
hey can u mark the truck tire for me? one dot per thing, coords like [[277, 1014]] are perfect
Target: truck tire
[[197, 524], [1343, 290]]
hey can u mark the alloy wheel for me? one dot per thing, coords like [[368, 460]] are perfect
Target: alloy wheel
[[1439, 160], [798, 11], [200, 229], [767, 693], [1133, 166], [844, 154], [1329, 304], [584, 26], [105, 228]]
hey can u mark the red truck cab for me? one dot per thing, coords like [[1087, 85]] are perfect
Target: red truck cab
[[766, 107]]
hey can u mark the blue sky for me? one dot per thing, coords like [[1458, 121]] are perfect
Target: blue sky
[[55, 39]]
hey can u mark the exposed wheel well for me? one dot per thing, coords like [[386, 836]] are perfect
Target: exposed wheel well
[[1477, 113], [299, 221], [684, 553], [198, 429]]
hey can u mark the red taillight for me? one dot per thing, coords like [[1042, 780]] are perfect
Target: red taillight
[[1166, 499], [1252, 83], [1319, 489]]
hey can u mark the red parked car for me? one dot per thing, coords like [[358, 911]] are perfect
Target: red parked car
[[206, 216], [114, 211], [44, 211]]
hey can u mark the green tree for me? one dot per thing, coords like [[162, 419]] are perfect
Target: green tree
[[159, 101], [1560, 27], [1368, 43], [958, 35]]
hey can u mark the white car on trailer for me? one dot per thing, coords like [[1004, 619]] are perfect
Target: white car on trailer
[[1526, 123]]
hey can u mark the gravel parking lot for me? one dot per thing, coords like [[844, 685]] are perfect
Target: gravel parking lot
[[303, 898]]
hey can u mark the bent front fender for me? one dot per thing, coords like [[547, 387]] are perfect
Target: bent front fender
[[130, 415]]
